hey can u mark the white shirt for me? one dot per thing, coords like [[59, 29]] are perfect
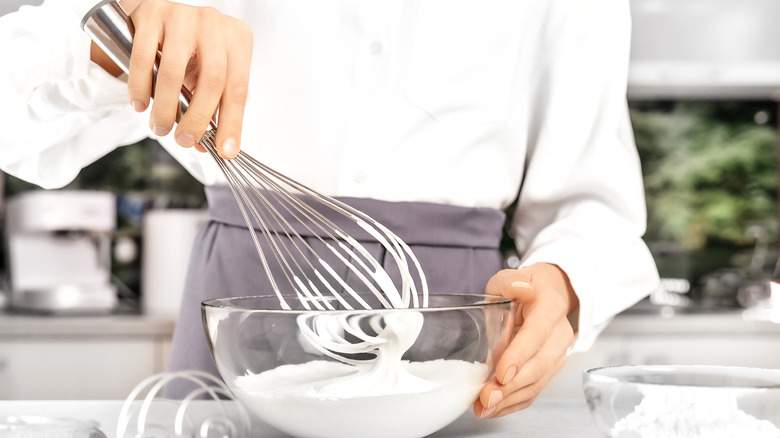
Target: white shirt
[[458, 102]]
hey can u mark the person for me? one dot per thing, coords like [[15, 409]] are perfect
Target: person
[[435, 115]]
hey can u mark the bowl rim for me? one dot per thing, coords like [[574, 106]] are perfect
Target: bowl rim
[[597, 374], [218, 303]]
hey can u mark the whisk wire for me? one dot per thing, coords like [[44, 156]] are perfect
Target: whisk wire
[[245, 180], [309, 215], [248, 176], [289, 203], [395, 247], [282, 225], [239, 195], [276, 206]]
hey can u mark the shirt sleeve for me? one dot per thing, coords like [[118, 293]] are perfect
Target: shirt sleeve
[[581, 205], [60, 110]]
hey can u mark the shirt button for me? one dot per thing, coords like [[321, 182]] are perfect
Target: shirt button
[[375, 48], [359, 177]]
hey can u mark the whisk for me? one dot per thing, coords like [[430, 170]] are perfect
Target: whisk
[[276, 204]]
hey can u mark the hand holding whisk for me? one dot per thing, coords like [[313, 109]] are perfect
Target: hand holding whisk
[[278, 207]]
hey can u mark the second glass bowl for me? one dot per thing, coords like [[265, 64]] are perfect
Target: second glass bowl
[[691, 401]]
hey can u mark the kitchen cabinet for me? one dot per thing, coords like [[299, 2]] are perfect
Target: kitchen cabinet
[[75, 368], [83, 358]]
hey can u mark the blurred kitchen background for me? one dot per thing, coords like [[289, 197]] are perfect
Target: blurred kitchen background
[[704, 93]]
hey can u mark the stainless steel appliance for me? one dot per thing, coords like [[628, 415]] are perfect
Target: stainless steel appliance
[[58, 251]]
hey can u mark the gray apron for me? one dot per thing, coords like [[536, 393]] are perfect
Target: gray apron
[[457, 248]]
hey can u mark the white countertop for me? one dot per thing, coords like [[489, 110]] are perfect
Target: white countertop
[[729, 322], [724, 322], [86, 325], [544, 419]]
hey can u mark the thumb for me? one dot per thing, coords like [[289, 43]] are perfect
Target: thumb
[[513, 284]]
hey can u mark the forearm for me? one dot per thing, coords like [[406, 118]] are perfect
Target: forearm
[[65, 111]]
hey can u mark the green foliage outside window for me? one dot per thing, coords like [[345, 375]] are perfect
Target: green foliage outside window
[[710, 171]]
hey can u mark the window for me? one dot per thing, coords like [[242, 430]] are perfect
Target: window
[[711, 182]]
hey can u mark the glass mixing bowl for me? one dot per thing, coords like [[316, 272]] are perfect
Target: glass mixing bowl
[[663, 401], [356, 373]]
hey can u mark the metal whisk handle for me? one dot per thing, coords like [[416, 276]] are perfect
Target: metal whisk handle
[[112, 30]]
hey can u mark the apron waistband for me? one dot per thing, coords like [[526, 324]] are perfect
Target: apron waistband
[[416, 223]]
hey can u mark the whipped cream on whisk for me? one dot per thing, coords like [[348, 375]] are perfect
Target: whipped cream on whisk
[[384, 336], [385, 374]]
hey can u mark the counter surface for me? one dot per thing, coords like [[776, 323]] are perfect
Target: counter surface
[[12, 324], [544, 419], [730, 322]]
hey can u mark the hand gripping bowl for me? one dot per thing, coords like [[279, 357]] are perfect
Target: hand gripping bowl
[[390, 372], [684, 401]]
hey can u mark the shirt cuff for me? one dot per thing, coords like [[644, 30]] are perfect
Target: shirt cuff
[[606, 281], [73, 82]]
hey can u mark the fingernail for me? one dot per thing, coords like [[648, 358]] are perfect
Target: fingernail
[[495, 397], [486, 412], [160, 131], [229, 148], [138, 106], [185, 140], [510, 374], [521, 284]]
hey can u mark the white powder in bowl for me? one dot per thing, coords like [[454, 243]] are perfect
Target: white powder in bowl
[[302, 400], [685, 412]]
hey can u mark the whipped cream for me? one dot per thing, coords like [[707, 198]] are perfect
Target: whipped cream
[[301, 400], [381, 397]]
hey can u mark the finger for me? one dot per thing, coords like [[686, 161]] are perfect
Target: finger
[[496, 406], [231, 107], [526, 395], [540, 316], [484, 412], [212, 62], [546, 362], [498, 401], [176, 52], [536, 367], [511, 283], [129, 5], [529, 340], [531, 334], [145, 43]]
